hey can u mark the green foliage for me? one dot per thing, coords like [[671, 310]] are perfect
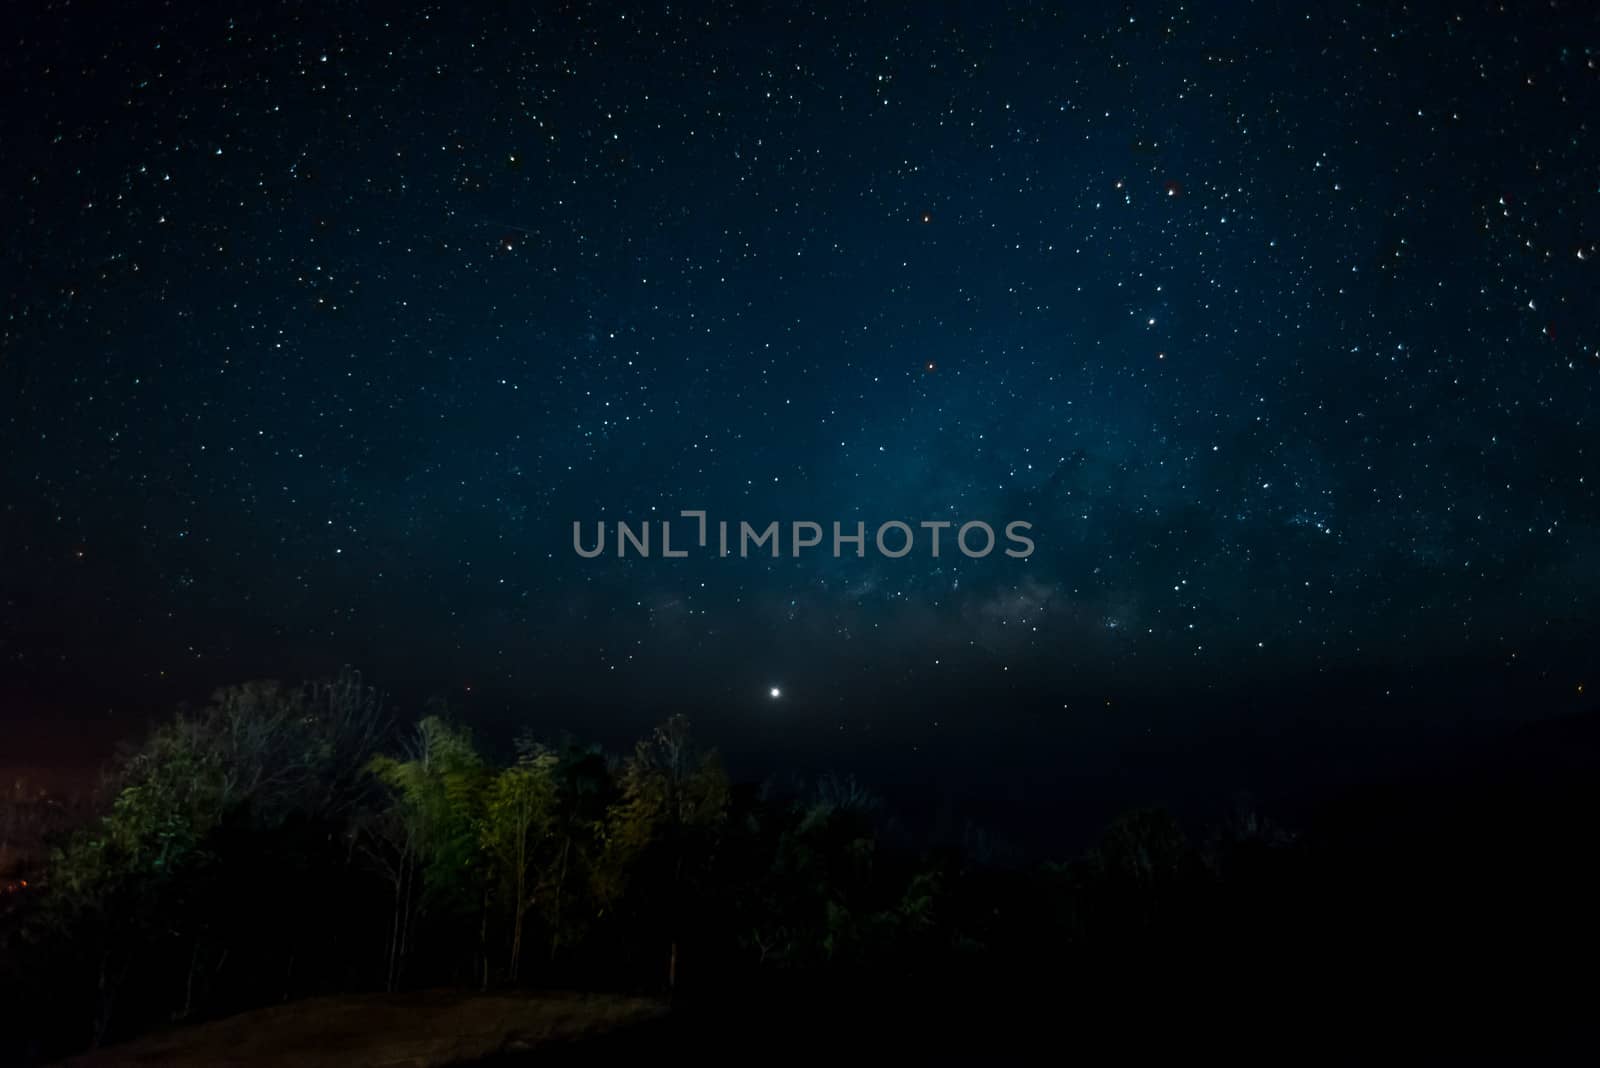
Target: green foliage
[[519, 808], [438, 794], [514, 834], [257, 755], [584, 791], [145, 884], [820, 893], [674, 801]]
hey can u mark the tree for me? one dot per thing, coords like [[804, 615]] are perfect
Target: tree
[[145, 876], [1141, 879], [663, 829], [819, 896], [518, 814], [427, 839], [583, 790]]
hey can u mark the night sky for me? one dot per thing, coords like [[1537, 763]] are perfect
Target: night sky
[[323, 325]]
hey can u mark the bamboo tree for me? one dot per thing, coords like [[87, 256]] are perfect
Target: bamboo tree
[[674, 801], [515, 832]]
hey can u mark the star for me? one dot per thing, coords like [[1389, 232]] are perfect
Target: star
[[775, 693]]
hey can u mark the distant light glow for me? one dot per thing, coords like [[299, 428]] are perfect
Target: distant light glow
[[775, 693]]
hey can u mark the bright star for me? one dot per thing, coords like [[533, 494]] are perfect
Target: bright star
[[774, 693]]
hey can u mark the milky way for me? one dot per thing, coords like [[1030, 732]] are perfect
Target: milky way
[[323, 327]]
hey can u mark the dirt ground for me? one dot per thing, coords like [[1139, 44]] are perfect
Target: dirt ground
[[414, 1030]]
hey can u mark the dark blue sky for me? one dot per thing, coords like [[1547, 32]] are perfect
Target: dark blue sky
[[325, 322]]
